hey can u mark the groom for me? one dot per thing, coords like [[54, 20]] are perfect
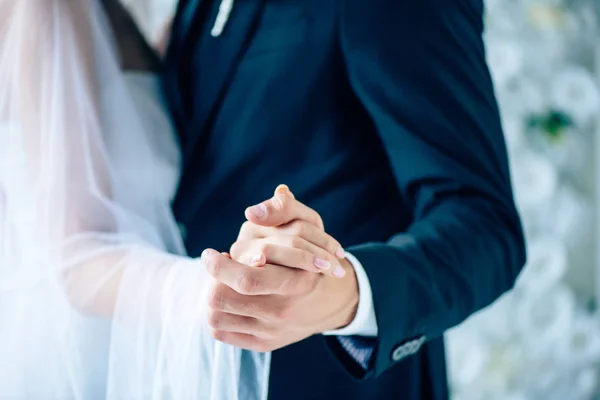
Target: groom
[[381, 117]]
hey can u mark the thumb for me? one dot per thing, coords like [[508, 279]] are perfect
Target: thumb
[[281, 209], [283, 190]]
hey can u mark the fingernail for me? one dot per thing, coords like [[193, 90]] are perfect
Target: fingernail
[[339, 271], [321, 264], [255, 258], [205, 256], [340, 253], [282, 188], [259, 211]]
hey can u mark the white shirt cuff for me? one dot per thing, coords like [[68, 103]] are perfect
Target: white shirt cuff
[[364, 323]]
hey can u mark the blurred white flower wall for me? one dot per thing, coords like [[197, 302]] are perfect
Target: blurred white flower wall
[[542, 340]]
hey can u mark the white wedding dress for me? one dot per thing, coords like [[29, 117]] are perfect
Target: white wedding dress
[[146, 185], [97, 298]]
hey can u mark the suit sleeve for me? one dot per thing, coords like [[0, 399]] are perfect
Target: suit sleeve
[[419, 69]]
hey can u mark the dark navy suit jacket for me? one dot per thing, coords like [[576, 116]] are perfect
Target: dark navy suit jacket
[[380, 115]]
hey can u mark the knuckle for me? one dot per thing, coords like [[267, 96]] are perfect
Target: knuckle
[[214, 319], [294, 242], [219, 263], [246, 228], [218, 335], [298, 228], [261, 347], [332, 245], [236, 249], [216, 298], [320, 222], [282, 314], [248, 283], [214, 266], [248, 306], [265, 249]]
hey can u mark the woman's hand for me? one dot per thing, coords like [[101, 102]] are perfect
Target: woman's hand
[[282, 231]]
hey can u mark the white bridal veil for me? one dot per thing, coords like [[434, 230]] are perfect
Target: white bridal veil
[[92, 305]]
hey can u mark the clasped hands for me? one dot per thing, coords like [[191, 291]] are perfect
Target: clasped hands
[[283, 280]]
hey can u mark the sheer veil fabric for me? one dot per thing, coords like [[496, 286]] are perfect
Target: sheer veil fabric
[[97, 298]]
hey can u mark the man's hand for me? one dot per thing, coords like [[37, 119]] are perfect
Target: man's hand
[[269, 307], [269, 296]]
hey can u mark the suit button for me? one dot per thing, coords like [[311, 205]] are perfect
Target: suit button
[[415, 346], [400, 353], [407, 349]]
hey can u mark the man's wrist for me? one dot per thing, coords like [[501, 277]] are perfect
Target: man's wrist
[[342, 296], [351, 307], [364, 322]]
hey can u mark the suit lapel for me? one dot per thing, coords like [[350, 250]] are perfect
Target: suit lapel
[[187, 11], [226, 51], [184, 15]]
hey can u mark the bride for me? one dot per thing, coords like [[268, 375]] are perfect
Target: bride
[[97, 297]]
